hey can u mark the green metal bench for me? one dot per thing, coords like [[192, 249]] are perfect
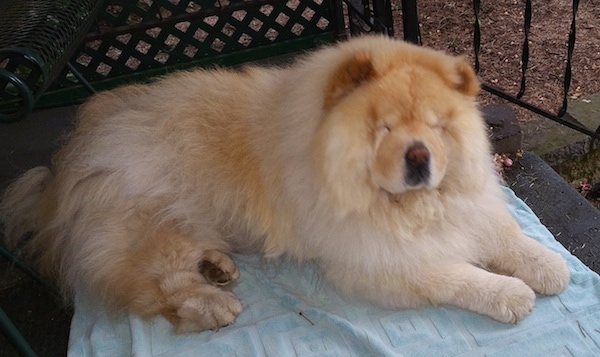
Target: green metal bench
[[37, 39], [137, 40]]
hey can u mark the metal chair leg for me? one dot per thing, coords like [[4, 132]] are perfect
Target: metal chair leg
[[14, 336]]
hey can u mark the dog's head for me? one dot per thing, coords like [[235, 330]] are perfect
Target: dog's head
[[398, 118]]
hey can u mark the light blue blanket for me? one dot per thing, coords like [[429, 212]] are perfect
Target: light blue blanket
[[288, 311]]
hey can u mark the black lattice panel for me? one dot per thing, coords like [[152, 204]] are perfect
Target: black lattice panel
[[163, 33]]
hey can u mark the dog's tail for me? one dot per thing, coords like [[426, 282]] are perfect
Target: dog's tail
[[21, 209]]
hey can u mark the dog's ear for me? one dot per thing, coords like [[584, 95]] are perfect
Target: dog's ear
[[466, 81], [351, 74]]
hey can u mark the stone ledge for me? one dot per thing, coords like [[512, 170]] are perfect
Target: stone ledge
[[505, 132], [567, 214]]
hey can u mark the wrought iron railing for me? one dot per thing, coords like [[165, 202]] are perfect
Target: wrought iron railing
[[369, 16]]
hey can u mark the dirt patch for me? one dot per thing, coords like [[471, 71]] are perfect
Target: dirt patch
[[583, 173]]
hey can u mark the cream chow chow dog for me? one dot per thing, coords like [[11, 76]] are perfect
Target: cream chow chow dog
[[368, 157]]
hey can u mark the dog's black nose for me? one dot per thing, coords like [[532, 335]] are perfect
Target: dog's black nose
[[417, 159]]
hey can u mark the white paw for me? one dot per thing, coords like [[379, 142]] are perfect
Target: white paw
[[546, 273], [512, 302], [207, 311]]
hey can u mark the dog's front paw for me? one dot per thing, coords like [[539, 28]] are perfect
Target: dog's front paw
[[547, 273], [511, 302], [207, 311]]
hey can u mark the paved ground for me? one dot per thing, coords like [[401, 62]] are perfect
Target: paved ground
[[45, 321]]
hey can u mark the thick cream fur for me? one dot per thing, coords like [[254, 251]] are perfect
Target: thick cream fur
[[306, 161]]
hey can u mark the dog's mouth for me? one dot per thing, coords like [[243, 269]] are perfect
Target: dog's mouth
[[416, 173], [396, 197], [393, 197]]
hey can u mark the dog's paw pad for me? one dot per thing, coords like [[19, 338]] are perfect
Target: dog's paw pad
[[217, 268], [213, 274]]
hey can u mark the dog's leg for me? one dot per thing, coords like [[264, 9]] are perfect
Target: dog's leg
[[194, 302], [175, 276], [506, 299], [517, 255]]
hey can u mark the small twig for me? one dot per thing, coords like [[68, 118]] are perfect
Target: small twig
[[306, 318]]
